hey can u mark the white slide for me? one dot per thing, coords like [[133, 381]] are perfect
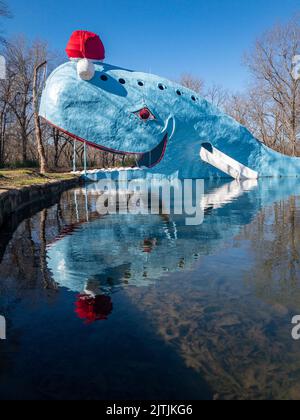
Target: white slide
[[225, 163]]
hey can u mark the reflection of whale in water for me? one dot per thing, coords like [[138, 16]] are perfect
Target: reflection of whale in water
[[118, 250]]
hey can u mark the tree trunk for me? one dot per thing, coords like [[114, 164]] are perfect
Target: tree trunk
[[38, 131], [24, 145]]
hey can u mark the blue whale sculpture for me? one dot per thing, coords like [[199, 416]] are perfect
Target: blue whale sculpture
[[160, 122]]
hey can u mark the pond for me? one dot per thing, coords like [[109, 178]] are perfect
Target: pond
[[145, 307]]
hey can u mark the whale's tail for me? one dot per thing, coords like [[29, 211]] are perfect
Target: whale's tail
[[275, 164], [229, 148]]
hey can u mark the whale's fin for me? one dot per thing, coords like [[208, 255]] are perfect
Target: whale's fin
[[225, 163]]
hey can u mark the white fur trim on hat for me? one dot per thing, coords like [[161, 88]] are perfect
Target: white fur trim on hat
[[85, 69]]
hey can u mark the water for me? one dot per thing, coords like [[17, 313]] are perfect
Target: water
[[145, 307]]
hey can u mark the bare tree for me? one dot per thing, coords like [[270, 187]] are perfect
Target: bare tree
[[275, 92], [22, 59], [238, 107], [191, 82], [60, 143], [5, 116], [217, 95]]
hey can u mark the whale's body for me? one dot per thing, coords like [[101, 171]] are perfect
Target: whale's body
[[106, 113]]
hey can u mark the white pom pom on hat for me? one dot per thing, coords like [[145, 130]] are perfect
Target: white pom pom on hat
[[85, 47], [86, 69]]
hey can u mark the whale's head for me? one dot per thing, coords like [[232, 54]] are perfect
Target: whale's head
[[120, 110]]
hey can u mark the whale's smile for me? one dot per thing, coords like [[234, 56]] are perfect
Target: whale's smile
[[144, 160], [155, 156]]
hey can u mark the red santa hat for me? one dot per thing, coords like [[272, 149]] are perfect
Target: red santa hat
[[85, 47]]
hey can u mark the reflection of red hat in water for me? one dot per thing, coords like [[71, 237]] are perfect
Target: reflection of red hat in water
[[93, 309]]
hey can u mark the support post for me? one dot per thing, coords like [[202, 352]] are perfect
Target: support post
[[85, 159]]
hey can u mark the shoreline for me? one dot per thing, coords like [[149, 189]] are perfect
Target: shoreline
[[16, 199]]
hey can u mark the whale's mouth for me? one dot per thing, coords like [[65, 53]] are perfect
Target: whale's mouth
[[144, 160], [155, 156]]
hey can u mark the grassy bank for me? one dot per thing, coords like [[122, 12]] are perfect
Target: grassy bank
[[10, 179]]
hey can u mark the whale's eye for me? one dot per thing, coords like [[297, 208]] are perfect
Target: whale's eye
[[145, 114]]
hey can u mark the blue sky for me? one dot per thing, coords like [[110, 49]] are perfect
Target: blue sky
[[168, 37]]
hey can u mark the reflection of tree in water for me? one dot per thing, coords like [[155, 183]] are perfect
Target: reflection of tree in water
[[23, 264], [24, 259], [19, 261], [276, 250], [23, 248], [241, 345]]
